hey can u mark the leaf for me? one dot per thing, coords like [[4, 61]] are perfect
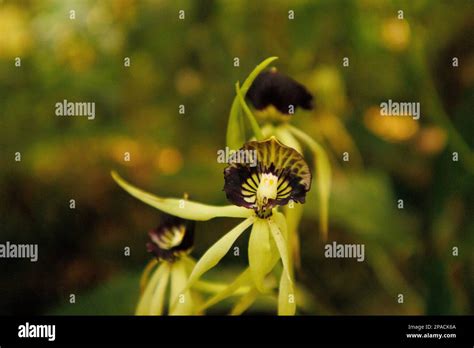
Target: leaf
[[182, 208], [181, 302], [245, 302], [253, 122], [235, 132], [260, 257], [323, 174], [217, 251]]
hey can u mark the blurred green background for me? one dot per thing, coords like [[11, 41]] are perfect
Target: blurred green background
[[191, 62]]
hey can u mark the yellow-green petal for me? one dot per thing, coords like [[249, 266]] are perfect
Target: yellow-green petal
[[146, 274], [144, 303], [293, 218], [286, 138], [182, 208], [158, 297], [281, 243], [259, 253], [323, 176], [214, 288], [245, 302], [181, 302], [207, 286], [286, 296], [217, 251], [242, 281], [290, 236]]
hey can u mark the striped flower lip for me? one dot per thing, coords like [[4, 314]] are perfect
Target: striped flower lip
[[281, 175], [171, 239], [271, 88]]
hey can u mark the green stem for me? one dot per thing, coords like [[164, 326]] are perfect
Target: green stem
[[235, 133], [253, 122]]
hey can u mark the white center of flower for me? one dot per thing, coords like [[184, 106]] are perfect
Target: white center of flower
[[171, 237], [267, 188]]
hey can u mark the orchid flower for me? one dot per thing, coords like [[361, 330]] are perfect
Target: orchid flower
[[275, 98], [280, 176], [170, 244]]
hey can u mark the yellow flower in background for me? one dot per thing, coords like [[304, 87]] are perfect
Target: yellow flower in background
[[392, 129], [15, 35], [169, 160], [188, 82], [431, 140], [75, 52], [395, 34]]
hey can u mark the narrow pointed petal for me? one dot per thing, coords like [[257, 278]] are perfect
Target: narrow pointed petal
[[281, 244], [158, 299], [217, 251], [283, 222], [243, 280], [214, 288], [245, 302], [286, 296], [146, 274], [144, 303], [181, 302], [259, 252], [182, 208], [293, 218], [323, 176], [280, 221], [207, 286]]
